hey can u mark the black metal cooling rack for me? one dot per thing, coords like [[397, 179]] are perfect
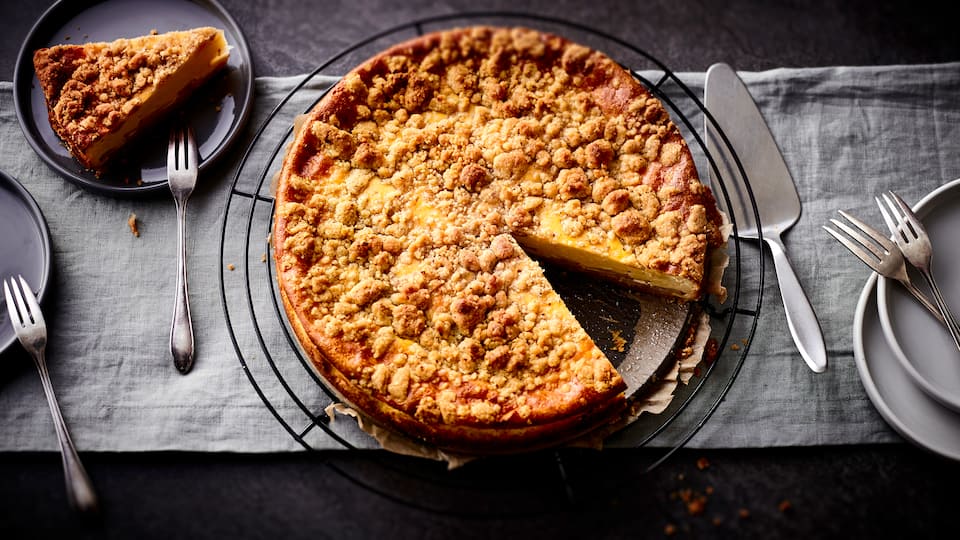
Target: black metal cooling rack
[[280, 373]]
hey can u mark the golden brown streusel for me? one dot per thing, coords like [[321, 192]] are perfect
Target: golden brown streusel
[[401, 204]]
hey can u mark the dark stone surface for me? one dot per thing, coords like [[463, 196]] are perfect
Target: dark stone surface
[[832, 492], [892, 491], [292, 36]]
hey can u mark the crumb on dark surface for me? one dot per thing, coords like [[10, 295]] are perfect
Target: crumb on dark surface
[[696, 502], [618, 342]]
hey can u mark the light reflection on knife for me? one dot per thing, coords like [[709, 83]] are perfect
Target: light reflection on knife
[[736, 114]]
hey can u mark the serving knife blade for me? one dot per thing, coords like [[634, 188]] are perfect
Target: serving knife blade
[[736, 114]]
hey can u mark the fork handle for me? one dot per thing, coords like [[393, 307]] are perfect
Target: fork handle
[[924, 301], [181, 329], [951, 321], [79, 489], [801, 319]]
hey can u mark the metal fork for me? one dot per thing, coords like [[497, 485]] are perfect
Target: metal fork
[[880, 254], [182, 167], [31, 330], [915, 245]]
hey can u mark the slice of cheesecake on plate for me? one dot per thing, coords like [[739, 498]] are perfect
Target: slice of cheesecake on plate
[[101, 95]]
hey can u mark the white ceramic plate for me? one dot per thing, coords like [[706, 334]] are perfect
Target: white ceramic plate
[[910, 411], [923, 346]]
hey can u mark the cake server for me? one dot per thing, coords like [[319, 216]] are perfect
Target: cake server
[[736, 114]]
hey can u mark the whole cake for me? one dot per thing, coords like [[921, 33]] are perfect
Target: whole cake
[[99, 96], [408, 203]]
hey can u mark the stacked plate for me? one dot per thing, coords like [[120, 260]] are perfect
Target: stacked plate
[[24, 246], [907, 360]]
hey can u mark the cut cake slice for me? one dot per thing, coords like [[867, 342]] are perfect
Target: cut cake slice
[[101, 95]]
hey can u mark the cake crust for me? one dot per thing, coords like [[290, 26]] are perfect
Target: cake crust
[[406, 201]]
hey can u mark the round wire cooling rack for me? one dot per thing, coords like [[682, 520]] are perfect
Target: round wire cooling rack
[[281, 374]]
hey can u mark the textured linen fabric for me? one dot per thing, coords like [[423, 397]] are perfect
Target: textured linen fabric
[[847, 133]]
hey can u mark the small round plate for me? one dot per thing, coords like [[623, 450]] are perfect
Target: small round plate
[[217, 112], [24, 246], [924, 346], [910, 411]]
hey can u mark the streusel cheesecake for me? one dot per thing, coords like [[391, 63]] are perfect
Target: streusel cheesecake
[[408, 203], [101, 95]]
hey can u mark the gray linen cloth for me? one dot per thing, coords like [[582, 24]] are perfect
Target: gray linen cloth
[[847, 133]]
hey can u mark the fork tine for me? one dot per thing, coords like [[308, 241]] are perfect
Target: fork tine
[[172, 151], [901, 229], [22, 312], [11, 306], [855, 249], [886, 217], [879, 238], [181, 147], [908, 215], [190, 148], [858, 247], [856, 235], [35, 312]]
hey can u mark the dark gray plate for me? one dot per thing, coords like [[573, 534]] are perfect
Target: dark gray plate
[[24, 246], [217, 112]]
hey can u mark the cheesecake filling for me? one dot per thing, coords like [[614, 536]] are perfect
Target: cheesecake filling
[[151, 103]]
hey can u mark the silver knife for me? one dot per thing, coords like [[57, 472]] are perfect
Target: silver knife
[[736, 114]]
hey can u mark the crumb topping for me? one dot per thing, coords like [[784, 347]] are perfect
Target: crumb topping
[[404, 196], [132, 223]]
